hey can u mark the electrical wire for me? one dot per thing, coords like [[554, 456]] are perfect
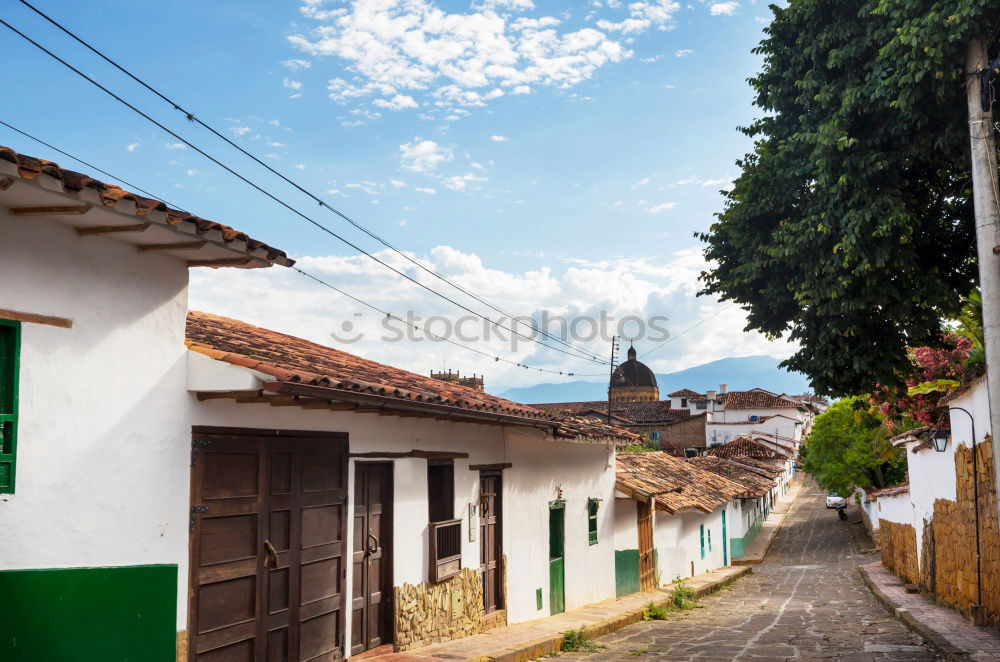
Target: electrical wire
[[322, 203], [312, 277], [281, 202]]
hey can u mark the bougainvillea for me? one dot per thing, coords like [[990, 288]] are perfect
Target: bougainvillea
[[936, 369]]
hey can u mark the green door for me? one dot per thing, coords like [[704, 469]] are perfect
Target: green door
[[557, 560], [725, 545]]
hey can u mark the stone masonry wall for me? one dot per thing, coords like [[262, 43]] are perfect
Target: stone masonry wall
[[898, 545], [955, 536], [424, 613]]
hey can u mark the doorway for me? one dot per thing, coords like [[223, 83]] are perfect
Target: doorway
[[557, 557], [267, 535], [371, 604], [647, 560], [491, 539]]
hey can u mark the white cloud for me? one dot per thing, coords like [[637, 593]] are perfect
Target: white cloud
[[295, 64], [300, 166], [683, 52], [240, 130], [423, 155], [645, 286], [276, 144], [723, 8], [424, 189], [639, 184], [398, 50], [397, 183], [499, 139], [291, 84], [132, 147], [176, 146], [460, 182], [662, 207], [398, 102]]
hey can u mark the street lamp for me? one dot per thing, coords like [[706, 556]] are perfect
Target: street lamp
[[940, 440]]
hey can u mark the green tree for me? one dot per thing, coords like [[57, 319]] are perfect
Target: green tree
[[850, 227], [849, 448]]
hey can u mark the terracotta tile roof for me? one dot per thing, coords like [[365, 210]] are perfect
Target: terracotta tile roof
[[921, 434], [640, 413], [755, 484], [294, 361], [746, 447], [674, 484], [686, 393], [760, 419], [29, 168], [763, 467], [756, 400], [893, 490]]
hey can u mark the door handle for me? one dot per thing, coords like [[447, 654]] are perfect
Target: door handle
[[371, 536], [271, 553]]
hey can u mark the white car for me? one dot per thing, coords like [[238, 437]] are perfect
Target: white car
[[834, 500]]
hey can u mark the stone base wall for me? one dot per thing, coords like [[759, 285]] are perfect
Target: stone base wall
[[954, 532], [431, 613], [898, 545]]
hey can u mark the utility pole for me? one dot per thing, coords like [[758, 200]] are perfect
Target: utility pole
[[986, 197], [614, 353]]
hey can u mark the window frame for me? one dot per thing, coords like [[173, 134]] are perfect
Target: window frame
[[444, 534], [593, 508], [702, 532], [10, 336]]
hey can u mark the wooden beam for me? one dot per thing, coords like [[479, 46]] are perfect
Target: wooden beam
[[51, 210], [179, 246], [224, 262], [227, 395], [96, 230], [34, 318], [424, 455], [490, 467], [279, 401], [5, 183]]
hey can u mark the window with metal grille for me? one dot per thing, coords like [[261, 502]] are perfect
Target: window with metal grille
[[592, 507], [444, 531], [10, 347]]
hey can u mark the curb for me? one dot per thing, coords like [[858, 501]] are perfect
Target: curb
[[757, 559], [553, 644], [938, 642]]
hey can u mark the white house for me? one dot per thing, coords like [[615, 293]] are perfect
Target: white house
[[194, 487]]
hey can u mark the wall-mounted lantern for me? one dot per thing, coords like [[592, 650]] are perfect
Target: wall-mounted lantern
[[940, 440]]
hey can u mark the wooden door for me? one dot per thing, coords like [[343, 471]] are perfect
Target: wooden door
[[647, 562], [491, 539], [267, 551], [557, 557], [371, 606]]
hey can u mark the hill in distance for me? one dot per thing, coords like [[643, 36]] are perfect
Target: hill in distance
[[738, 373]]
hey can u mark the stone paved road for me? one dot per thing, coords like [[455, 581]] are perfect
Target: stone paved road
[[805, 602]]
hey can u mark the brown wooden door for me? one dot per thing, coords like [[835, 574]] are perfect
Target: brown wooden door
[[267, 550], [371, 605], [647, 563], [491, 539]]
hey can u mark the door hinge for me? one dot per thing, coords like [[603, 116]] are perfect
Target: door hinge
[[195, 510], [194, 449]]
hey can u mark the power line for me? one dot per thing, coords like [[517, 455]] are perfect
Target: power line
[[312, 277], [322, 203], [92, 166], [284, 204], [690, 328]]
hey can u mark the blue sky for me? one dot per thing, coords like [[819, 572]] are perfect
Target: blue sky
[[550, 155]]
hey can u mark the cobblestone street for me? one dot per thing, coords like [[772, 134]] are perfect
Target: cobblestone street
[[805, 602]]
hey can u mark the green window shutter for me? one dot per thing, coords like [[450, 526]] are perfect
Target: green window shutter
[[701, 530], [710, 540], [592, 507], [10, 347]]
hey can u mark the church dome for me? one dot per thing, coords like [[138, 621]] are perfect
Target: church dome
[[633, 381]]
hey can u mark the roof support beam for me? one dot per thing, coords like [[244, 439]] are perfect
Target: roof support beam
[[51, 210], [34, 318], [179, 246], [96, 230], [224, 262]]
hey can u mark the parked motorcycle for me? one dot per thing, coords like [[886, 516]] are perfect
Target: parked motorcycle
[[841, 512]]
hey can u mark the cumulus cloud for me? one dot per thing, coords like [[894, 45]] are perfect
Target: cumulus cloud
[[424, 189], [423, 155], [291, 84], [723, 8], [176, 146], [295, 64], [132, 147], [683, 52], [662, 207], [460, 182], [397, 50], [655, 285], [499, 139]]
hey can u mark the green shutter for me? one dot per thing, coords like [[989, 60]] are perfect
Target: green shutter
[[592, 506], [10, 347], [701, 530]]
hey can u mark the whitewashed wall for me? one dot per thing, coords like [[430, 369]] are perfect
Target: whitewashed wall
[[896, 508], [678, 543], [103, 455], [626, 524]]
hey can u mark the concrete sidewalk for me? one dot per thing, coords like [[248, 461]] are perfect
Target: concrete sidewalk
[[944, 629], [532, 639], [775, 519]]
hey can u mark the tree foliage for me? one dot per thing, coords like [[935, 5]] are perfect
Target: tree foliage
[[850, 227], [849, 448]]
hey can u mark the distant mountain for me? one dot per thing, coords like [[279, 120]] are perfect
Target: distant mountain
[[738, 373]]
